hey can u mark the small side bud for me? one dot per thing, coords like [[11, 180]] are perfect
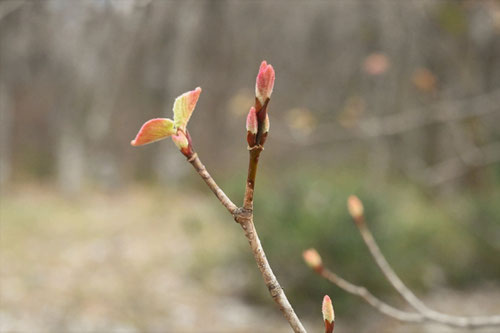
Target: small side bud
[[313, 259], [252, 127], [355, 207], [265, 82], [252, 124], [181, 141], [328, 314], [266, 124], [265, 130]]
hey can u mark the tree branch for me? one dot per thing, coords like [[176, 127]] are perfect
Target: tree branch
[[219, 193], [409, 296], [244, 216], [412, 119], [246, 222], [245, 219], [252, 173], [455, 167], [360, 291]]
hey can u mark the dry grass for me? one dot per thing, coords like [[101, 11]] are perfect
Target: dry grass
[[122, 263], [145, 260]]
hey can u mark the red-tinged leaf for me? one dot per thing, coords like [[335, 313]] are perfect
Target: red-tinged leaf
[[184, 106], [154, 130]]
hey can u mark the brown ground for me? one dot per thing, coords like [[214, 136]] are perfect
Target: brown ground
[[124, 263]]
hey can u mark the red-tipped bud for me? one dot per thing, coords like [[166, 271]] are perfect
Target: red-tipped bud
[[264, 83], [154, 130], [355, 207], [313, 259], [328, 314], [252, 123], [181, 141], [252, 127]]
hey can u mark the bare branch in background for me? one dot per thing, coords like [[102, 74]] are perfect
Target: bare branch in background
[[411, 119], [8, 7], [423, 312], [456, 167], [313, 259]]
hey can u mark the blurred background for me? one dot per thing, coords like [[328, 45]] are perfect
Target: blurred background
[[395, 101]]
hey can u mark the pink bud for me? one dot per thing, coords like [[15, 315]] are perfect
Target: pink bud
[[328, 314], [252, 124], [313, 259], [355, 207], [264, 83]]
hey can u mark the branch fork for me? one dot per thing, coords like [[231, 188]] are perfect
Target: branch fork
[[257, 130]]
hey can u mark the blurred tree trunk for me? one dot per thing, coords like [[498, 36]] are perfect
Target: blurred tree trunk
[[70, 149], [381, 19], [107, 91], [187, 15], [5, 134]]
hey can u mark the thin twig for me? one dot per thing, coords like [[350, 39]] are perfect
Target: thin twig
[[219, 193], [409, 296], [246, 222], [244, 216], [455, 167], [386, 268], [412, 119], [379, 305], [252, 173]]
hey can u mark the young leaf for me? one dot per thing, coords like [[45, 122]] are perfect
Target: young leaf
[[184, 106], [154, 130]]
